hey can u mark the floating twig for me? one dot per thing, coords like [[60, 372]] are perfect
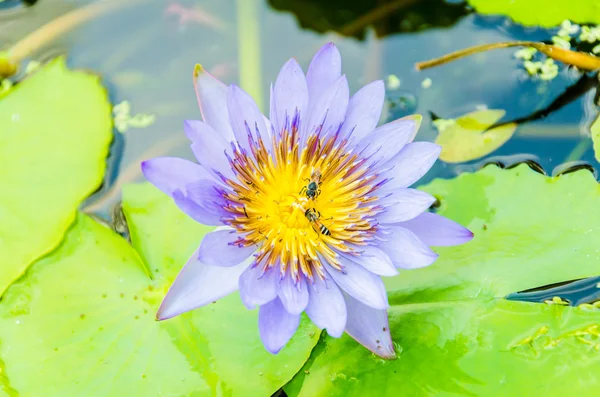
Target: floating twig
[[581, 60], [10, 60]]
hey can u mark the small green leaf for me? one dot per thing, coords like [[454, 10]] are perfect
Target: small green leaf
[[466, 138], [454, 333], [56, 129], [81, 321], [546, 13]]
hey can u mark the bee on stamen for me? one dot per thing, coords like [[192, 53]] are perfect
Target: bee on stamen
[[313, 217], [312, 189]]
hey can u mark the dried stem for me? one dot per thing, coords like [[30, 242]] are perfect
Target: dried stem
[[579, 59], [54, 29]]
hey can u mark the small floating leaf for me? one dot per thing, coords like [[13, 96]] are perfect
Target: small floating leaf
[[545, 13], [526, 53], [466, 138], [54, 137], [82, 319], [590, 34], [454, 332], [124, 120]]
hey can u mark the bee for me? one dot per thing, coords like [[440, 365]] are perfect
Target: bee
[[313, 217], [312, 189]]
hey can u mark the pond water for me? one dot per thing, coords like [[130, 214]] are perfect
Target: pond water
[[145, 52]]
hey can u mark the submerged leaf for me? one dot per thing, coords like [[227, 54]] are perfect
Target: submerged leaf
[[82, 319], [466, 138], [54, 137], [546, 13], [455, 334]]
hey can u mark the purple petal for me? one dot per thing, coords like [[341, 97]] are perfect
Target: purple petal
[[293, 295], [434, 229], [326, 307], [217, 249], [290, 95], [269, 131], [258, 288], [325, 68], [245, 118], [369, 327], [413, 161], [373, 259], [276, 325], [360, 283], [406, 250], [364, 111], [273, 112], [387, 140], [209, 148], [405, 204], [327, 113], [212, 99], [172, 173], [202, 202], [197, 285]]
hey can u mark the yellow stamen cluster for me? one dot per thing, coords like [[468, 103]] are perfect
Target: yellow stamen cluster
[[270, 199]]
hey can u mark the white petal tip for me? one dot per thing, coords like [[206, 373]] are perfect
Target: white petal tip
[[391, 272], [387, 355], [468, 235], [164, 314], [335, 333], [384, 348], [170, 308], [273, 350]]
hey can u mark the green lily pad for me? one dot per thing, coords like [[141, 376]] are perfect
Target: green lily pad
[[55, 132], [545, 13], [454, 331], [82, 319], [466, 138]]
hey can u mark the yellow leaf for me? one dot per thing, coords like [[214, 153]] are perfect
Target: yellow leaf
[[467, 139]]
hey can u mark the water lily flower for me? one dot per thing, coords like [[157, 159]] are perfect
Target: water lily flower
[[313, 204]]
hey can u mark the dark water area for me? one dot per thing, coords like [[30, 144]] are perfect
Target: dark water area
[[145, 52]]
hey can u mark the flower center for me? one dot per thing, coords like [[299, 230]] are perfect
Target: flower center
[[301, 208], [290, 211]]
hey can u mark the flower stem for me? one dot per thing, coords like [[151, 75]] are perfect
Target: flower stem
[[581, 60], [249, 49]]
